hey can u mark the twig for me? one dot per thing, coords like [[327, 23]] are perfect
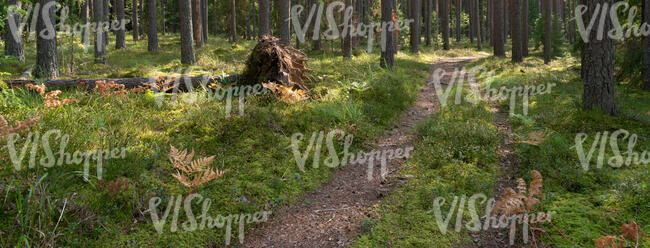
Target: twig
[[61, 215]]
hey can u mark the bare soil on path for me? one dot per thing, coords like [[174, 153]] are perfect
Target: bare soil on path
[[332, 215]]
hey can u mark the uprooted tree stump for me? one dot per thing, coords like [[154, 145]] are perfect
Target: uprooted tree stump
[[274, 62]]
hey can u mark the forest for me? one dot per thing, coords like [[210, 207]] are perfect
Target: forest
[[325, 123]]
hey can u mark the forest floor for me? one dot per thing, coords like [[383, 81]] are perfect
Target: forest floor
[[332, 215]]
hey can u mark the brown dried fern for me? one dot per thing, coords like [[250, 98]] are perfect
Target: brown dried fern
[[523, 200], [192, 173]]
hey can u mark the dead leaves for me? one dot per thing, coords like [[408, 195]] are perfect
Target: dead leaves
[[110, 88], [6, 130], [523, 200], [38, 88], [630, 231], [286, 94], [536, 138], [52, 100], [610, 242], [192, 173]]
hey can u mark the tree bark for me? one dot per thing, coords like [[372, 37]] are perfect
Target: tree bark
[[498, 37], [283, 22], [163, 22], [187, 41], [107, 17], [525, 39], [444, 21], [515, 30], [120, 40], [47, 64], [598, 66], [153, 27], [427, 21], [85, 18], [387, 53], [458, 10], [14, 40], [548, 30], [415, 10], [646, 48], [100, 41], [264, 20], [478, 20], [196, 22], [205, 21], [134, 21], [347, 38], [233, 21]]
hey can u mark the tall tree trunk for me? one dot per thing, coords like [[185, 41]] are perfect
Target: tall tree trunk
[[141, 26], [415, 25], [444, 21], [14, 40], [515, 29], [264, 19], [498, 37], [134, 21], [646, 48], [525, 39], [47, 64], [470, 12], [427, 21], [346, 46], [247, 23], [233, 21], [283, 22], [163, 7], [100, 41], [315, 32], [458, 26], [196, 23], [187, 41], [120, 40], [548, 30], [387, 53], [205, 21], [598, 66], [478, 20], [253, 18], [107, 17], [153, 27], [85, 18]]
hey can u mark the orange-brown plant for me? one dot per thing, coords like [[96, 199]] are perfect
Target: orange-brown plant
[[630, 231], [523, 200], [192, 173], [109, 88], [116, 186], [5, 129], [285, 93], [52, 100]]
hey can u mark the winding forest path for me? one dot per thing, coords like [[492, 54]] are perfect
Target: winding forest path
[[331, 216]]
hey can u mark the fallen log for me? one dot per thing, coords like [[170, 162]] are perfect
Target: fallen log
[[130, 83]]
